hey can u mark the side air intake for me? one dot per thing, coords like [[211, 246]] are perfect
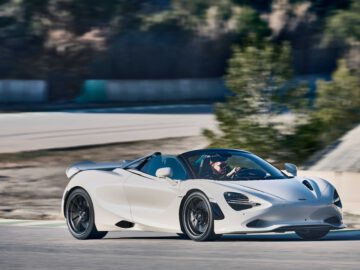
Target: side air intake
[[257, 223], [238, 201], [125, 224]]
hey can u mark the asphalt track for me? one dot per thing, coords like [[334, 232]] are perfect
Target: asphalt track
[[42, 247], [47, 130]]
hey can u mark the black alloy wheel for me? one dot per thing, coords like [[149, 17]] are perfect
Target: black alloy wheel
[[80, 216], [197, 218]]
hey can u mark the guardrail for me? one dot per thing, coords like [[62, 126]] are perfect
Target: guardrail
[[23, 91], [153, 90], [127, 91], [123, 91]]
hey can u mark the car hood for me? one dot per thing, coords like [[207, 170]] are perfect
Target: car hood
[[291, 189]]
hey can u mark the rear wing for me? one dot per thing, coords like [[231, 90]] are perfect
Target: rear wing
[[89, 165], [103, 166]]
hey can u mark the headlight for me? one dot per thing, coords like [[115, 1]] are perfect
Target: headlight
[[336, 199], [238, 201]]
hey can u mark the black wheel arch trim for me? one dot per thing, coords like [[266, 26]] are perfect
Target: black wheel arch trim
[[218, 214]]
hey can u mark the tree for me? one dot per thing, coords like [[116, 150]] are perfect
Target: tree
[[344, 25], [247, 120], [57, 39], [337, 110], [256, 76]]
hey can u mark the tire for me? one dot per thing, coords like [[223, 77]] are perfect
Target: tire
[[312, 234], [197, 218], [80, 217], [183, 236]]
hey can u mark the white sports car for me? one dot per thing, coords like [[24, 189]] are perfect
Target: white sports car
[[200, 195]]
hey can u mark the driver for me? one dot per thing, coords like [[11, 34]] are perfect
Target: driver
[[220, 170]]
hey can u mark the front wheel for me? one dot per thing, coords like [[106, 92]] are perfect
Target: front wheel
[[312, 234], [80, 216], [197, 218]]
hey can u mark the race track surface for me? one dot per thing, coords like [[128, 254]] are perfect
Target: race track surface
[[42, 247], [48, 130]]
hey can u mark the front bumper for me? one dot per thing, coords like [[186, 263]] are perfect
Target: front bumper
[[280, 218]]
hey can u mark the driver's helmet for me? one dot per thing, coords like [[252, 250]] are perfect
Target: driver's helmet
[[203, 163], [216, 158]]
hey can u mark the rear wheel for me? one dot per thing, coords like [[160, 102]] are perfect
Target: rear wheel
[[312, 234], [80, 216], [197, 218]]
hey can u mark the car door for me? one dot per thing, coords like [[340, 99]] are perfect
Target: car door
[[154, 202]]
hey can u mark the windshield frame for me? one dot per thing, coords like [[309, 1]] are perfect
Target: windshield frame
[[184, 157]]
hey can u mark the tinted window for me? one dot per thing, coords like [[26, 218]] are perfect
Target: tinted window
[[152, 165], [179, 173], [219, 165]]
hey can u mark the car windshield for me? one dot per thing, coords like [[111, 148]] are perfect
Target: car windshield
[[231, 165]]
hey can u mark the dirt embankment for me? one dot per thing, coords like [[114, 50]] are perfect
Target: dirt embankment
[[32, 183]]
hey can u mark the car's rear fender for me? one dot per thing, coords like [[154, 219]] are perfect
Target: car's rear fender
[[105, 189]]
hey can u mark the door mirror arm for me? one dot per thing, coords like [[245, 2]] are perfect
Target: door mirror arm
[[166, 174]]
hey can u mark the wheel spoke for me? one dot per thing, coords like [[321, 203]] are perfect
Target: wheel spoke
[[197, 206], [201, 227], [85, 224], [77, 222], [196, 224], [81, 204], [76, 203], [82, 225], [192, 215]]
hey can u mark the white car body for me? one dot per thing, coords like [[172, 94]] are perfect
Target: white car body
[[150, 203]]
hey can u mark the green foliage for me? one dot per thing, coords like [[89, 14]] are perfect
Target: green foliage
[[250, 26], [191, 15], [337, 110], [339, 100], [256, 76], [344, 25]]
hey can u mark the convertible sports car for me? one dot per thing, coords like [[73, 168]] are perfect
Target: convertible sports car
[[200, 195]]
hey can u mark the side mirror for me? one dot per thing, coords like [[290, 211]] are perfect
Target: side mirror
[[291, 168], [164, 172]]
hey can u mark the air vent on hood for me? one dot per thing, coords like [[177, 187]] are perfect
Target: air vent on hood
[[308, 185]]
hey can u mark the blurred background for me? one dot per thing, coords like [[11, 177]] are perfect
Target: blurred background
[[117, 79]]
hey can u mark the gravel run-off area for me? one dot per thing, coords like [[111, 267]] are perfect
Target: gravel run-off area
[[32, 183]]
